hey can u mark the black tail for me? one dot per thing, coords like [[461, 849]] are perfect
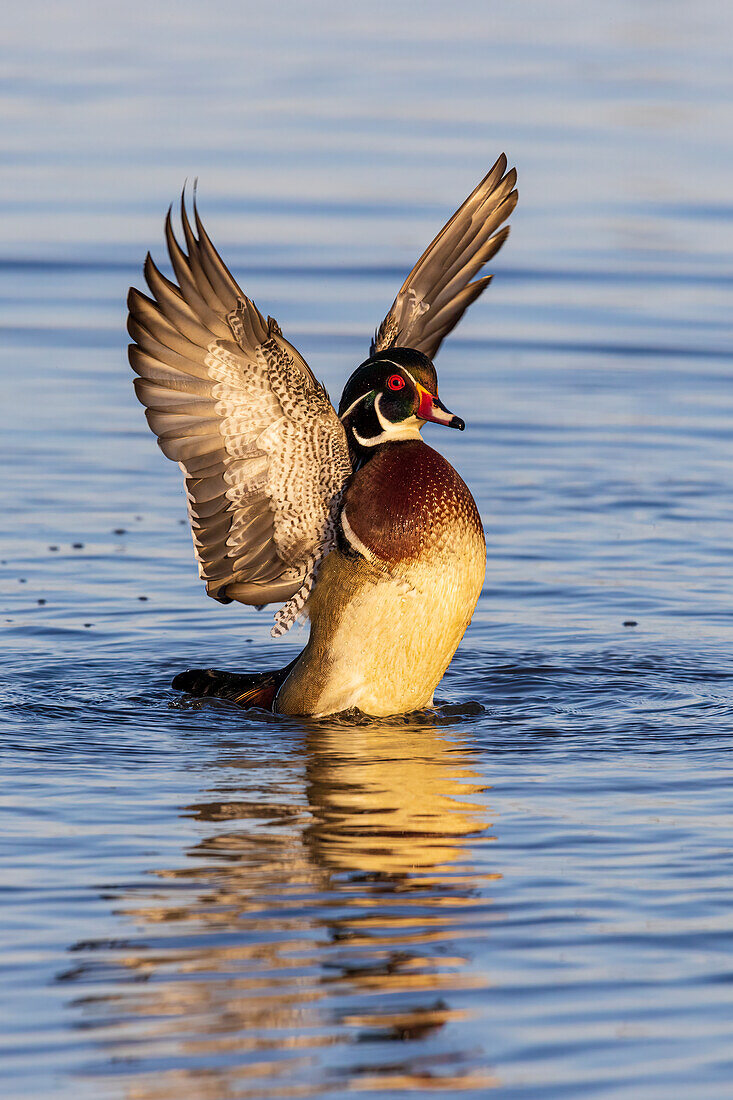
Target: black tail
[[246, 689]]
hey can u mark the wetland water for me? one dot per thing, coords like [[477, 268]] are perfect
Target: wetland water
[[528, 892]]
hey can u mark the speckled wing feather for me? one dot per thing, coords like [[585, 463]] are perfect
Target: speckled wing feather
[[439, 289], [263, 453]]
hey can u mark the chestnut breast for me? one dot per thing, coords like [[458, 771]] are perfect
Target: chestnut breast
[[407, 500]]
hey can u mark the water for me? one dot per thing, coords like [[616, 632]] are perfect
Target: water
[[526, 893]]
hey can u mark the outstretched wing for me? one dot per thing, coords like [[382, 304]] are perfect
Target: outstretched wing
[[438, 290], [263, 453]]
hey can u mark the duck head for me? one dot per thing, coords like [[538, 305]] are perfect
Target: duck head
[[390, 396]]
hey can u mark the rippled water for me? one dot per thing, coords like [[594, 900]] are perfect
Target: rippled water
[[526, 892]]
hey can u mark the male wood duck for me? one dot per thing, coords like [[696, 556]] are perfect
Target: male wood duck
[[350, 518]]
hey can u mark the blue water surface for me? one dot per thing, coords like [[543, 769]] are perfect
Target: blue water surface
[[526, 893]]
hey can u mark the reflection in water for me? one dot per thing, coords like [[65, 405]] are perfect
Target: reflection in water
[[313, 941]]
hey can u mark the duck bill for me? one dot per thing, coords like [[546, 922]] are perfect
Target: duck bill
[[432, 409]]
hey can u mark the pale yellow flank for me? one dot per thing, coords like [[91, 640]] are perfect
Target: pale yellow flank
[[382, 636]]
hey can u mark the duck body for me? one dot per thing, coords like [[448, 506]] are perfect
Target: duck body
[[395, 596], [346, 515]]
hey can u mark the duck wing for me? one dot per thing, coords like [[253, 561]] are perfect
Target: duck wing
[[263, 453], [439, 289]]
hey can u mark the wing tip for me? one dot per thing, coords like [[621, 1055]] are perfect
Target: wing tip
[[500, 164]]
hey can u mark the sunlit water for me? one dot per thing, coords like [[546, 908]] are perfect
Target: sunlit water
[[528, 892]]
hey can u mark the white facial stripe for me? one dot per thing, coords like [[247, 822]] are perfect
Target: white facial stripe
[[412, 378], [404, 429], [400, 367], [353, 404], [385, 424], [407, 429]]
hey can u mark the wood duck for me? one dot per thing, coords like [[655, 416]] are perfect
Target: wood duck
[[351, 518]]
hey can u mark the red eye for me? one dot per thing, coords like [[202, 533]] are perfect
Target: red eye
[[396, 382]]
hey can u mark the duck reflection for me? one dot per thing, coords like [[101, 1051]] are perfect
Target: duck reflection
[[320, 940], [396, 804]]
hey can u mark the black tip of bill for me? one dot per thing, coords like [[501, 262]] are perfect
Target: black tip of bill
[[456, 422]]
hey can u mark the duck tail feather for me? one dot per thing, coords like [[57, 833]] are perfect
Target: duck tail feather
[[246, 689]]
